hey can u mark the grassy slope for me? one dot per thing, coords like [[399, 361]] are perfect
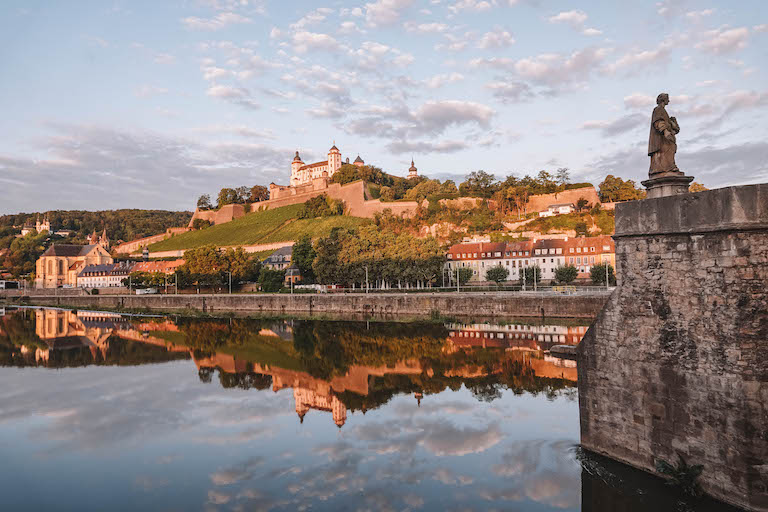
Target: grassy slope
[[276, 225]]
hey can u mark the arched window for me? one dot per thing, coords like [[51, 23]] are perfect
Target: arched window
[[61, 266], [50, 266]]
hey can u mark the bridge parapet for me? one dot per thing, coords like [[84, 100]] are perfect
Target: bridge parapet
[[677, 360]]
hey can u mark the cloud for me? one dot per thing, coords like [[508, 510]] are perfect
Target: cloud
[[498, 38], [510, 91], [554, 69], [426, 28], [164, 58], [238, 473], [617, 126], [591, 32], [436, 116], [385, 12], [722, 41], [697, 16], [304, 41], [637, 60], [639, 100], [438, 81], [311, 18], [97, 160], [145, 91], [218, 22], [470, 5], [575, 18], [446, 146], [237, 95]]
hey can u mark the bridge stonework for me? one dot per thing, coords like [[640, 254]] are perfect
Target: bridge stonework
[[677, 360]]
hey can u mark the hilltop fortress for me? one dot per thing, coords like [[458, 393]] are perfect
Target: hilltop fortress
[[310, 180]]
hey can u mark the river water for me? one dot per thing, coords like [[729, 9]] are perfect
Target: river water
[[107, 412]]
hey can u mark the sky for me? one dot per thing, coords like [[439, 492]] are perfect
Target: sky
[[146, 104]]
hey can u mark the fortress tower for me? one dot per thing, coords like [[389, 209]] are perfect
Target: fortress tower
[[412, 171]]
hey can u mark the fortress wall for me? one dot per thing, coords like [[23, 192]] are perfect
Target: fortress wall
[[541, 202], [677, 360], [353, 195]]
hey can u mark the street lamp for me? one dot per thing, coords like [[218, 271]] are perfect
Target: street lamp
[[366, 279]]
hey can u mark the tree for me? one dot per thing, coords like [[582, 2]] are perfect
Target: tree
[[271, 280], [614, 189], [465, 274], [203, 260], [226, 196], [566, 274], [243, 266], [386, 194], [497, 274], [478, 184], [201, 224], [204, 202], [582, 204], [321, 206], [697, 187], [519, 196], [563, 176], [529, 274], [303, 257], [581, 228], [258, 193], [598, 272]]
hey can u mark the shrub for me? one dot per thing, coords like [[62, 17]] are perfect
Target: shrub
[[321, 206], [566, 274], [497, 274], [528, 275], [201, 224], [598, 271]]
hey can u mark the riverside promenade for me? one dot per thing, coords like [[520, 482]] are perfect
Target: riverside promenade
[[460, 304]]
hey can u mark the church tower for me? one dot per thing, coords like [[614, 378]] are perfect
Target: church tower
[[412, 172], [334, 159]]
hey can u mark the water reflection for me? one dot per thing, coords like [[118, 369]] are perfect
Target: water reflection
[[458, 416]]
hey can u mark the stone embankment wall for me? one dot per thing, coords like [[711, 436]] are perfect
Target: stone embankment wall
[[677, 361], [411, 304]]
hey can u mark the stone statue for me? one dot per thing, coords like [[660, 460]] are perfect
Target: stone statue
[[662, 143]]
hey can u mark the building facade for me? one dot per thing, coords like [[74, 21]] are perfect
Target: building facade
[[548, 254], [109, 275], [302, 174], [558, 209], [60, 264], [280, 259]]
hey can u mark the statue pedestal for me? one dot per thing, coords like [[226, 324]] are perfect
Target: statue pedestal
[[667, 184]]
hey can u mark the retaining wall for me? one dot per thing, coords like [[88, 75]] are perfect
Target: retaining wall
[[469, 304]]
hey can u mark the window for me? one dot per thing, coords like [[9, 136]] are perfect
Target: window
[[570, 259], [578, 260], [526, 253], [552, 260], [463, 255], [607, 248], [571, 250], [507, 254], [482, 255], [591, 259], [578, 249], [538, 251], [450, 256], [474, 255], [591, 249], [558, 251], [497, 254]]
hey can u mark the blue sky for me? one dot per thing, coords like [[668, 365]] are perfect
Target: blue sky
[[149, 104]]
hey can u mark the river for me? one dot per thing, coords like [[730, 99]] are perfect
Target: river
[[107, 412]]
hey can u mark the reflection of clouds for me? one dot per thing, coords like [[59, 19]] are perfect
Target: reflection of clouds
[[448, 407], [238, 473], [218, 497], [438, 437], [89, 409], [150, 483], [543, 471], [448, 477]]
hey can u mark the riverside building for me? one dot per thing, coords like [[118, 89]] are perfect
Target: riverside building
[[548, 254]]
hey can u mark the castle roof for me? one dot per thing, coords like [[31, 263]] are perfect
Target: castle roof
[[297, 158], [333, 148], [413, 167], [316, 164], [359, 160]]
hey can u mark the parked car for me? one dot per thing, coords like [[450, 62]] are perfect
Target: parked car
[[146, 291]]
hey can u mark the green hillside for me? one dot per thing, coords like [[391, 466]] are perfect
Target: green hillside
[[278, 225]]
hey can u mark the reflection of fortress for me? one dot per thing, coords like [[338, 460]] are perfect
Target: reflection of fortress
[[310, 392], [61, 330]]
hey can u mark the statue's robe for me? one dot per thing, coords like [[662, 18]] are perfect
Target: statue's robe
[[662, 149]]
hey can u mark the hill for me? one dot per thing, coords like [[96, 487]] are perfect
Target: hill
[[599, 222], [277, 225]]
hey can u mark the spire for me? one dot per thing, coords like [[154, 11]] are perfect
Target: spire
[[297, 158]]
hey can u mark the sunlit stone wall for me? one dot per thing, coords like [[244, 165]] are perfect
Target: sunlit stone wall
[[677, 361]]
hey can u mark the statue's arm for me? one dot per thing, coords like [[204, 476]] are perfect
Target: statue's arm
[[675, 126], [662, 127]]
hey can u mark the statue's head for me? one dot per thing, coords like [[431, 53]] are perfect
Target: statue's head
[[662, 99]]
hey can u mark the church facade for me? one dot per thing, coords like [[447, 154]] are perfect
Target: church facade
[[60, 264]]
